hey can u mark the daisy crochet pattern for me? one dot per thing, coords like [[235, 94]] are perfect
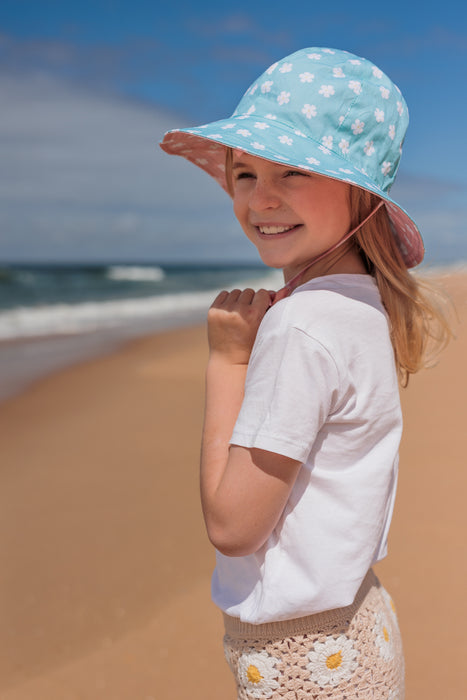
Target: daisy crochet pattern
[[358, 657]]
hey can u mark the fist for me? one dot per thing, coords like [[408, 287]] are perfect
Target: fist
[[233, 322]]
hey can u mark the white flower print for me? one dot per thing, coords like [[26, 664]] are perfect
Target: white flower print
[[258, 146], [345, 170], [314, 56], [270, 116], [389, 604], [357, 127], [328, 51], [392, 131], [338, 72], [253, 89], [400, 108], [344, 146], [272, 68], [386, 169], [257, 674], [309, 111], [383, 633], [283, 97], [384, 92], [327, 141], [341, 119], [313, 161], [325, 150], [379, 115], [244, 132], [261, 125], [228, 126], [214, 136], [377, 73], [266, 86], [285, 139], [286, 68], [326, 90], [332, 661], [354, 61], [299, 133], [251, 109], [356, 86], [369, 148], [306, 77]]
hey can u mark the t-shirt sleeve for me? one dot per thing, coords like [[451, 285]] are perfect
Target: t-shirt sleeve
[[291, 387]]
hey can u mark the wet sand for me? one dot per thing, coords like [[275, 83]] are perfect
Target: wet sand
[[105, 564]]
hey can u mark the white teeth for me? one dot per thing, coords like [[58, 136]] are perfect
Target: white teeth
[[274, 229]]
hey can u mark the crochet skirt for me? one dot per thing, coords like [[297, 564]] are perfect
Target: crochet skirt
[[351, 652]]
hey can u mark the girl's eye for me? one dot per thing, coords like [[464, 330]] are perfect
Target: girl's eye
[[242, 176], [295, 172]]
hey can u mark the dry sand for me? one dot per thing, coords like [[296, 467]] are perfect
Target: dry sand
[[104, 588]]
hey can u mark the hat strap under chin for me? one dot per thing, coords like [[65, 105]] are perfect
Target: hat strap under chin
[[292, 284]]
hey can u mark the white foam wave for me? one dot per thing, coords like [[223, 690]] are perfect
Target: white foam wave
[[147, 312], [135, 274]]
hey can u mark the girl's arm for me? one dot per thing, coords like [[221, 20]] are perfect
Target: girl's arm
[[243, 491]]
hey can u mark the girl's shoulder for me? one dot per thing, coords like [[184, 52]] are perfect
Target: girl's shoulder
[[331, 301]]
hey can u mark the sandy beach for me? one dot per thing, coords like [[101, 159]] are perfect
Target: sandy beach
[[105, 563]]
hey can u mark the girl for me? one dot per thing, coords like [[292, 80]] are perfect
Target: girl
[[303, 421]]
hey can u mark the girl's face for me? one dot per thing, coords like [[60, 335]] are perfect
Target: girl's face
[[290, 215]]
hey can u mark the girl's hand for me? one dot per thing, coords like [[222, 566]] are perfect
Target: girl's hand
[[233, 321]]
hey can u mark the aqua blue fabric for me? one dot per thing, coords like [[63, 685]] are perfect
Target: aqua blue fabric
[[322, 110]]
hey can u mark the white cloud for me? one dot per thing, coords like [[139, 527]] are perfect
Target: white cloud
[[82, 176]]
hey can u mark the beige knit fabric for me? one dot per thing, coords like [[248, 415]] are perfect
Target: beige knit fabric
[[352, 652]]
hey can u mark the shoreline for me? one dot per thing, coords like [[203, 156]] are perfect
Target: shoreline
[[106, 564], [27, 359]]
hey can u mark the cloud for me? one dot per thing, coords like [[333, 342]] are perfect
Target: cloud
[[439, 208], [82, 176]]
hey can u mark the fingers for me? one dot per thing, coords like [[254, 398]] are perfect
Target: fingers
[[228, 300]]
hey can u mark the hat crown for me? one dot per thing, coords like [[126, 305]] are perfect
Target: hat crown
[[339, 100]]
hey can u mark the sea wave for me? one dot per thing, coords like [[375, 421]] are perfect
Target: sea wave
[[135, 274], [148, 313]]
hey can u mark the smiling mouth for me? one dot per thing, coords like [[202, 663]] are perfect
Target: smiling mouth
[[274, 230]]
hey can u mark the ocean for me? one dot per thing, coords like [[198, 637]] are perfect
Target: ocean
[[54, 315]]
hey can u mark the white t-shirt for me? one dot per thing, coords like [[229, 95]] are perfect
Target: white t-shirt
[[321, 388]]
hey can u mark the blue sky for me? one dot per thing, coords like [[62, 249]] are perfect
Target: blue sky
[[88, 88]]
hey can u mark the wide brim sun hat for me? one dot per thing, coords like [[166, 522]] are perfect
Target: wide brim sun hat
[[320, 110]]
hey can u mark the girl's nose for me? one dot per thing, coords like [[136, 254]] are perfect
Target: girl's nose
[[263, 196]]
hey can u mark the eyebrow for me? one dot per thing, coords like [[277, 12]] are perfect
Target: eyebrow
[[239, 165]]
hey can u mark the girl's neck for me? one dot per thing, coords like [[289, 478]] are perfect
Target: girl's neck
[[344, 260]]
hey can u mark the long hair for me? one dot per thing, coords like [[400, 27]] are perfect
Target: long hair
[[419, 326]]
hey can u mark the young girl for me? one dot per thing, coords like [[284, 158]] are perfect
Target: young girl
[[303, 421]]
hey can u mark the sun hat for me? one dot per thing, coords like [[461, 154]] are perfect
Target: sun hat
[[322, 110]]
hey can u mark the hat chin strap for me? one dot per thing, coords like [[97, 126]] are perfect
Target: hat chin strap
[[293, 283]]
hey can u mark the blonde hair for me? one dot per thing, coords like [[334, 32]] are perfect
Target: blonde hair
[[419, 326]]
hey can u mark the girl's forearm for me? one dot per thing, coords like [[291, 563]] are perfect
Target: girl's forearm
[[225, 384]]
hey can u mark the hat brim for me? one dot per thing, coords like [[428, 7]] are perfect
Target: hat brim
[[206, 145]]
